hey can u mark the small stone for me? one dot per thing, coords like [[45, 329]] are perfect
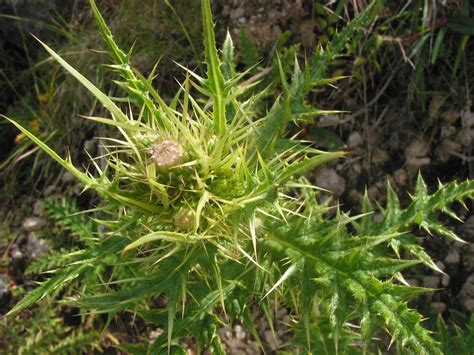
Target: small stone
[[282, 312], [272, 340], [379, 156], [35, 246], [416, 153], [225, 333], [236, 13], [262, 323], [38, 209], [67, 177], [466, 136], [49, 190], [242, 20], [438, 307], [445, 279], [330, 180], [253, 348], [355, 140], [378, 218], [77, 189], [468, 287], [256, 313], [356, 169], [447, 131], [446, 148], [3, 285], [401, 177], [440, 265], [154, 334], [32, 224], [90, 146], [467, 119], [235, 344], [453, 257], [469, 304], [450, 116], [431, 281], [355, 197], [239, 332], [468, 227], [16, 253], [373, 192]]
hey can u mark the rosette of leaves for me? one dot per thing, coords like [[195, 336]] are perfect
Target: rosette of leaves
[[206, 205]]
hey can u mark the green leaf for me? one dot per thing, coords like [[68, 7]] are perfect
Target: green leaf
[[462, 24], [228, 58], [103, 98], [161, 235], [215, 79], [302, 167], [47, 287], [65, 163]]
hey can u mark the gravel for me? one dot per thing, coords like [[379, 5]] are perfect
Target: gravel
[[33, 224]]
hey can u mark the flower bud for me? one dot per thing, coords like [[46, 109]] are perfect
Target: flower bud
[[184, 219], [167, 153]]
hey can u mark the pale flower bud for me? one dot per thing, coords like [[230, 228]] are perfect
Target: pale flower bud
[[184, 219], [167, 153]]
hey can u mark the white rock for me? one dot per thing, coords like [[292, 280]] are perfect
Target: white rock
[[450, 116], [225, 333], [445, 279], [330, 180], [239, 332], [438, 307], [416, 152], [378, 218], [431, 281], [32, 224], [379, 156], [440, 265], [355, 140], [467, 119], [453, 257], [3, 285], [466, 136], [273, 341], [38, 209], [468, 227], [49, 190], [468, 288], [469, 304], [154, 334], [401, 177], [35, 246], [16, 253]]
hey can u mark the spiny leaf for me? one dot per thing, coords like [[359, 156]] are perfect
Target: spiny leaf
[[59, 280], [103, 98], [228, 58], [215, 79], [82, 177]]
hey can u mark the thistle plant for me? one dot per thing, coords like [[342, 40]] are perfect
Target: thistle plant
[[204, 201]]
